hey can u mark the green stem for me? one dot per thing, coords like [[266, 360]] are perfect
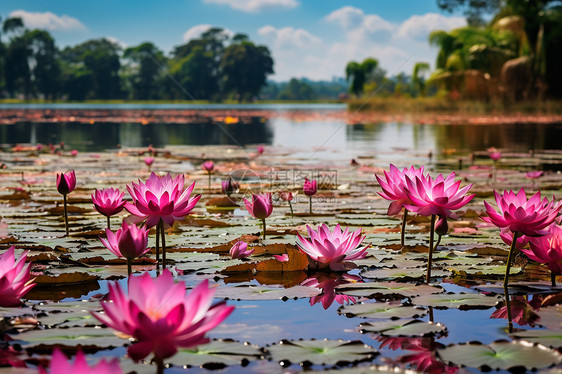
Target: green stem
[[291, 206], [263, 222], [553, 278], [65, 215], [129, 266], [438, 241], [430, 258], [209, 180], [508, 307], [516, 236], [403, 234], [163, 244], [159, 365], [108, 223], [310, 205], [158, 248]]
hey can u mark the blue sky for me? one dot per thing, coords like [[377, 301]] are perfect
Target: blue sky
[[307, 38]]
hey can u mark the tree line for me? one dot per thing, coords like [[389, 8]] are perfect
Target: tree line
[[213, 67]]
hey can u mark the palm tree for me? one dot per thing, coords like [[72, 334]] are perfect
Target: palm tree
[[359, 73]]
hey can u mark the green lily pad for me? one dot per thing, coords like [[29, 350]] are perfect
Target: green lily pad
[[224, 352], [265, 293], [410, 328], [457, 300], [501, 355], [71, 337], [549, 338], [381, 310], [321, 352], [371, 289]]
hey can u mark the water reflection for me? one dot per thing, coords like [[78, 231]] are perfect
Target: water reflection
[[327, 283], [521, 310]]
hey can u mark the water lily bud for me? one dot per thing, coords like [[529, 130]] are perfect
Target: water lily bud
[[441, 227]]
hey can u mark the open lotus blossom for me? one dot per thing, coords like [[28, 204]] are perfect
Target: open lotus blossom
[[15, 279], [334, 250], [129, 242], [436, 198], [521, 217], [108, 202], [66, 182], [394, 189], [260, 207], [60, 364], [159, 315], [547, 250], [240, 250], [159, 201]]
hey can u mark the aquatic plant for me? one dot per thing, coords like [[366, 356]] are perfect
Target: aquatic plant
[[66, 182], [208, 166], [148, 161], [161, 201], [394, 189], [547, 250], [108, 202], [260, 207], [129, 242], [334, 250], [310, 188], [60, 364], [288, 197], [240, 250], [15, 278], [229, 186], [436, 198], [159, 315], [521, 217]]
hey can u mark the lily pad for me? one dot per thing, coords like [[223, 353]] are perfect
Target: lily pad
[[381, 310], [223, 352], [550, 338], [457, 300], [501, 355], [265, 293], [321, 352], [387, 288], [71, 337], [410, 328]]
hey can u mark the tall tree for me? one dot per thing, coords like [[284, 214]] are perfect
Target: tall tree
[[195, 74], [44, 63], [419, 82], [146, 62], [359, 73]]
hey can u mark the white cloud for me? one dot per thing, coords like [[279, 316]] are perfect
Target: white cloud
[[196, 31], [255, 6], [360, 26], [289, 37], [347, 16], [48, 21], [116, 41], [419, 26]]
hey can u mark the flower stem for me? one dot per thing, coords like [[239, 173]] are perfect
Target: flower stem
[[163, 244], [65, 215], [403, 234], [159, 365], [508, 307], [158, 248], [310, 205], [430, 257], [209, 180], [438, 241], [263, 222], [129, 266], [553, 279], [108, 223], [516, 236], [291, 206]]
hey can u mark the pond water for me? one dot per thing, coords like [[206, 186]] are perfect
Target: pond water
[[468, 265]]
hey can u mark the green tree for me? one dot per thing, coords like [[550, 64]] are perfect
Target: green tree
[[297, 90], [359, 74], [195, 74], [146, 62], [418, 81], [244, 68], [44, 63]]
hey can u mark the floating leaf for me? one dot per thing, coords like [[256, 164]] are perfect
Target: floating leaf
[[411, 328], [550, 338], [224, 352], [321, 352], [501, 355], [381, 310], [371, 289], [454, 300], [71, 337], [265, 293]]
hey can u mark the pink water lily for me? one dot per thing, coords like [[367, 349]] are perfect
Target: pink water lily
[[547, 250], [521, 217], [229, 186], [436, 198], [260, 207], [334, 250], [240, 250], [60, 364], [208, 166], [310, 188], [15, 278], [129, 242], [108, 202], [159, 201], [66, 182], [159, 315]]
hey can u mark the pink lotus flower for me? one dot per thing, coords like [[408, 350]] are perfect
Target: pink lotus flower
[[282, 258], [229, 186], [261, 149], [161, 198], [547, 249], [15, 279], [240, 250], [527, 217], [437, 196], [334, 250], [60, 364], [66, 182], [534, 174], [208, 166], [129, 242], [260, 207], [159, 315], [495, 155], [286, 195], [394, 187], [310, 187], [148, 161], [74, 153], [108, 201]]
